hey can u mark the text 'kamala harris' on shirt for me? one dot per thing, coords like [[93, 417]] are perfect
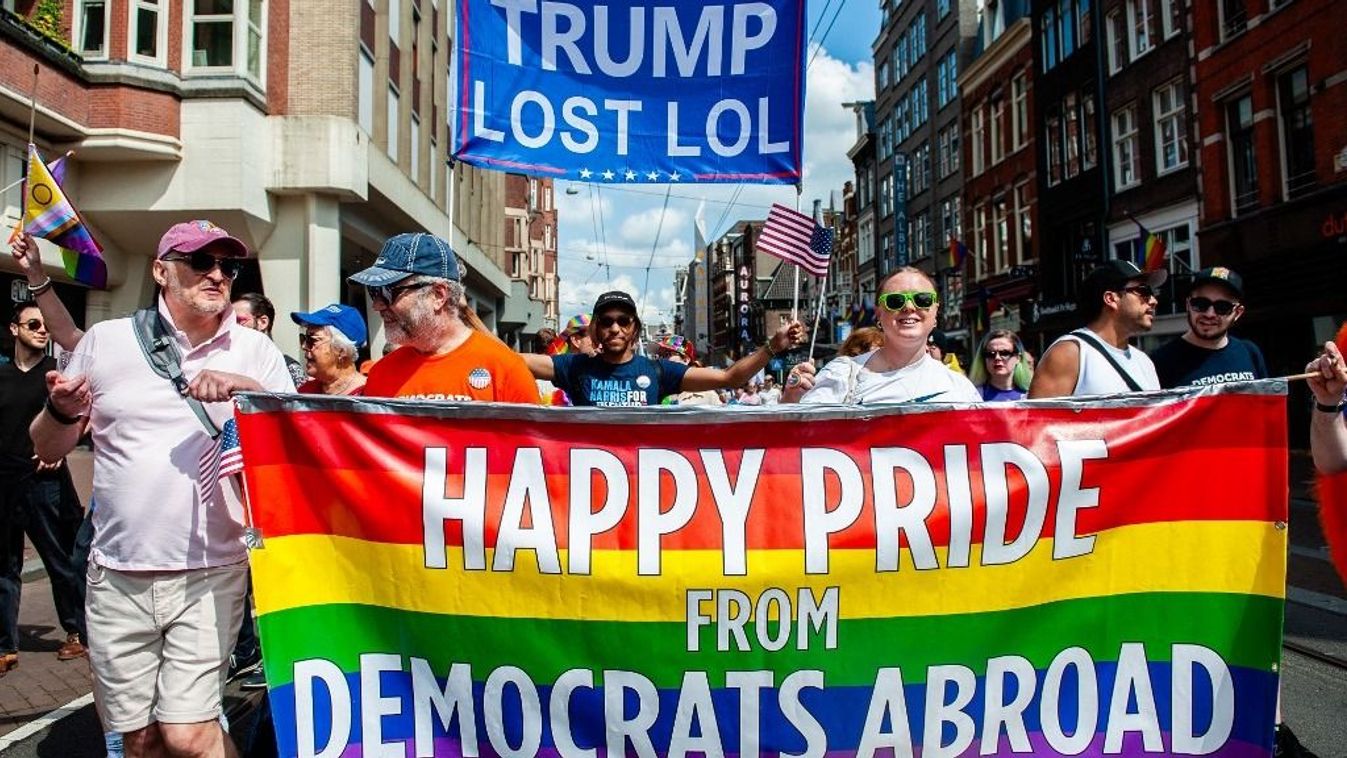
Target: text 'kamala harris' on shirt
[[638, 382]]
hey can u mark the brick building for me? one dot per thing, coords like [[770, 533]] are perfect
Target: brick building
[[1152, 174], [311, 135], [1000, 176], [1272, 120], [530, 243]]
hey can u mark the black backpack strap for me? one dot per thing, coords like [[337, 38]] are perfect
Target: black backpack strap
[[162, 355], [1089, 339]]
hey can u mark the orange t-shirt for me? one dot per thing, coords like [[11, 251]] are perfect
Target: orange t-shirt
[[479, 369]]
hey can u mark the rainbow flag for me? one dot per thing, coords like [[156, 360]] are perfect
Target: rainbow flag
[[49, 215], [498, 580], [1153, 249], [958, 253]]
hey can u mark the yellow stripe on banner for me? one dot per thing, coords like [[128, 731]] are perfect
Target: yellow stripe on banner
[[1240, 557]]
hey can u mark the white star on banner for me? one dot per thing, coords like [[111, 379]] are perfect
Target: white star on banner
[[630, 175], [652, 175], [674, 176], [585, 173], [608, 175]]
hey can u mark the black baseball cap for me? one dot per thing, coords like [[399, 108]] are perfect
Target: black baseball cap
[[1114, 274], [615, 299], [1222, 276]]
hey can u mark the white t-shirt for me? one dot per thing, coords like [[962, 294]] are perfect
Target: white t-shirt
[[771, 396], [846, 380], [1098, 377], [148, 445]]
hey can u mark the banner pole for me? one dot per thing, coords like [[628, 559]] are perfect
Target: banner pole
[[32, 107], [818, 314]]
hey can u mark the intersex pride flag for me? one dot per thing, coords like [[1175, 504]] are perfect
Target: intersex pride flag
[[1074, 578]]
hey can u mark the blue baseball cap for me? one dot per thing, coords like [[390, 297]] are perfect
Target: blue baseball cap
[[343, 318], [409, 254]]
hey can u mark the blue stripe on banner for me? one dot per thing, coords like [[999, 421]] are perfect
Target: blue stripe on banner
[[841, 712]]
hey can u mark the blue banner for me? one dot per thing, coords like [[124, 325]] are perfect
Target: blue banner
[[632, 91]]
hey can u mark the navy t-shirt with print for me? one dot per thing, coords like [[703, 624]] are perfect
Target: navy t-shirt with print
[[1180, 363], [640, 381]]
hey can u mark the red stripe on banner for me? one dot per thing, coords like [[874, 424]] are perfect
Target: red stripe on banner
[[373, 464]]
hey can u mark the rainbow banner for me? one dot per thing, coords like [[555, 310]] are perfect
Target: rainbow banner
[[1048, 578]]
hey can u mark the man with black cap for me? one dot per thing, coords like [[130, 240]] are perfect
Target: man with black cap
[[1118, 301], [415, 287], [618, 377], [1206, 353]]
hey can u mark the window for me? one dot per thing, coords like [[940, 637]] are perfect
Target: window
[[1171, 141], [365, 92], [1054, 142], [997, 118], [1085, 20], [416, 149], [883, 76], [949, 150], [1243, 159], [922, 170], [1126, 153], [977, 137], [436, 165], [942, 8], [1293, 99], [1117, 42], [395, 21], [1048, 28], [147, 40], [92, 34], [1171, 17], [980, 239], [1002, 235], [393, 124], [1019, 111], [1090, 132], [1066, 22], [1234, 17], [949, 218], [886, 196], [947, 87], [225, 35], [1024, 225], [1071, 119], [1139, 22], [900, 59]]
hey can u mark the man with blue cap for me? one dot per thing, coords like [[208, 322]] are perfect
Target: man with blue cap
[[445, 354], [331, 343]]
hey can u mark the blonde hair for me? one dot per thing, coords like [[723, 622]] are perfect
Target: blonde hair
[[861, 340]]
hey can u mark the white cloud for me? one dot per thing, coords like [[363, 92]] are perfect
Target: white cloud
[[630, 215]]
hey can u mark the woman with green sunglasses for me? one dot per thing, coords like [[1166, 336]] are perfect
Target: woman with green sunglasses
[[899, 370]]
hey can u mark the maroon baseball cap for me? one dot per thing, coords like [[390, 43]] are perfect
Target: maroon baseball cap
[[191, 236]]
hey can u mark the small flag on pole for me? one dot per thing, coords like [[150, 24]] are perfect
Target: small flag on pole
[[958, 252], [1152, 249], [795, 238], [48, 214], [224, 459]]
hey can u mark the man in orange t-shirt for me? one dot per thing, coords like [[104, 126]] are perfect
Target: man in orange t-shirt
[[414, 286]]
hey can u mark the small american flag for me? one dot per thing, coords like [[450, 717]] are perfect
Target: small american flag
[[222, 460], [795, 238]]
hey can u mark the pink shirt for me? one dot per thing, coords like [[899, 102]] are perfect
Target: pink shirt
[[148, 514]]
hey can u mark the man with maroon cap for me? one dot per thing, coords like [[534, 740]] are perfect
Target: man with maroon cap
[[165, 583]]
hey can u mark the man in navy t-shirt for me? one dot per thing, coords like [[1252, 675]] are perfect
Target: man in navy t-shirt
[[618, 377], [1206, 353]]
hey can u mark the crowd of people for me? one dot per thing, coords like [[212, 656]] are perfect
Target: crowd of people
[[162, 608]]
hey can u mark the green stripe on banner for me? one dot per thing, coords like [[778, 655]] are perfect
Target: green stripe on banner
[[545, 648]]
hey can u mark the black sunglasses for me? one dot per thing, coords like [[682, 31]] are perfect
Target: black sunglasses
[[896, 301], [1143, 291], [32, 324], [623, 321], [308, 341], [1222, 307], [203, 263], [1004, 355], [391, 292]]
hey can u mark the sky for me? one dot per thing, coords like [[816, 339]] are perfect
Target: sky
[[629, 228]]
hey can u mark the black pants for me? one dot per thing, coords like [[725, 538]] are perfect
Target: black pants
[[45, 507]]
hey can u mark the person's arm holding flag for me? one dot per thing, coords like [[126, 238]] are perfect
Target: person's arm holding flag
[[60, 325]]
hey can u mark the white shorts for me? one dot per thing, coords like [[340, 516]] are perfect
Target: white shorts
[[159, 642]]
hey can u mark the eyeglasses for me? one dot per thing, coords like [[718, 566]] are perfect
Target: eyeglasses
[[33, 325], [309, 342], [896, 301], [390, 293], [1004, 355], [1201, 304], [1143, 291], [623, 321], [203, 263]]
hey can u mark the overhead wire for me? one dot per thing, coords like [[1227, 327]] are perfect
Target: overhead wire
[[659, 228], [826, 32]]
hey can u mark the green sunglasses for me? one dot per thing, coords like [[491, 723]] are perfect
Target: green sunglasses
[[896, 301]]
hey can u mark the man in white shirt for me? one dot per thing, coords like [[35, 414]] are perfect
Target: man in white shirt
[[160, 531], [1118, 301]]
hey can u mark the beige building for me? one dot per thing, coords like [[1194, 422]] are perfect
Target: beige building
[[312, 130]]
